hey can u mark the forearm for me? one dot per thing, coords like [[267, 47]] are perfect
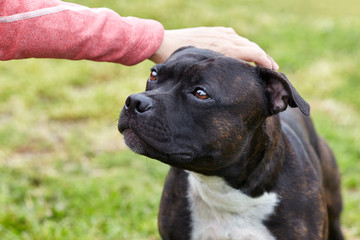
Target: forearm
[[55, 29]]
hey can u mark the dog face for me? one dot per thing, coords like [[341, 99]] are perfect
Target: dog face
[[200, 108]]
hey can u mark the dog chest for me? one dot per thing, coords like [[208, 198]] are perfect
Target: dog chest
[[221, 212]]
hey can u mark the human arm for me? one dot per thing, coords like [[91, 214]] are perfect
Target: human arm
[[56, 29]]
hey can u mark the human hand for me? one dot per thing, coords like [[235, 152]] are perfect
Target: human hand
[[219, 39]]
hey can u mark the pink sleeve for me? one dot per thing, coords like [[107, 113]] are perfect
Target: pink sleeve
[[55, 29]]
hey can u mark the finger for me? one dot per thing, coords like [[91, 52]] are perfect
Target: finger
[[275, 66], [252, 54], [261, 61]]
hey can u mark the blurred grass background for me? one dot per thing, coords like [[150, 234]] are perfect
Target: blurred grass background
[[64, 170]]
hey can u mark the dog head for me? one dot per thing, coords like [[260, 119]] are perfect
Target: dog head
[[200, 107]]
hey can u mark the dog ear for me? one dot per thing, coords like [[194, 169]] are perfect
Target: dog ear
[[281, 93]]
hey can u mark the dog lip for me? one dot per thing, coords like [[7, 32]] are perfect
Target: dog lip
[[185, 157], [166, 157], [125, 130], [122, 127]]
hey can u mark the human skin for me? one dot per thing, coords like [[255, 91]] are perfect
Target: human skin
[[219, 39]]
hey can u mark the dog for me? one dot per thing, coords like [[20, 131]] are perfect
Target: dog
[[244, 165]]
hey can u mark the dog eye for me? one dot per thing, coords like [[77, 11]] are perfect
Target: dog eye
[[153, 75], [201, 94]]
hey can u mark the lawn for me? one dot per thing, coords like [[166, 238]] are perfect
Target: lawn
[[65, 172]]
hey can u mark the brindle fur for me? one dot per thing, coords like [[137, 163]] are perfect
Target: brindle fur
[[242, 134]]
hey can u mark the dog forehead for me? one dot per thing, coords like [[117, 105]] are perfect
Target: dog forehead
[[195, 62], [184, 58], [192, 53], [223, 72]]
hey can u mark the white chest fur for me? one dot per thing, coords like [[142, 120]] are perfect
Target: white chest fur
[[221, 212]]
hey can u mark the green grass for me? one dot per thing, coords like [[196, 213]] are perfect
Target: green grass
[[64, 170]]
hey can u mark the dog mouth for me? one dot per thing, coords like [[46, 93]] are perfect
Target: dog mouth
[[133, 141], [149, 147]]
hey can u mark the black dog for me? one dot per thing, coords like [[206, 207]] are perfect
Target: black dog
[[240, 170]]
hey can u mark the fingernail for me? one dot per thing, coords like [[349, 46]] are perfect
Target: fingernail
[[276, 66]]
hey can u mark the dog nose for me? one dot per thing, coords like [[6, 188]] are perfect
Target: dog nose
[[138, 103]]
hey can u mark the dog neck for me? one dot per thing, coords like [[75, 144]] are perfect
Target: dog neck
[[255, 169]]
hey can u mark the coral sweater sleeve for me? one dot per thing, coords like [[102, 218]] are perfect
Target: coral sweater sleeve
[[56, 29]]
